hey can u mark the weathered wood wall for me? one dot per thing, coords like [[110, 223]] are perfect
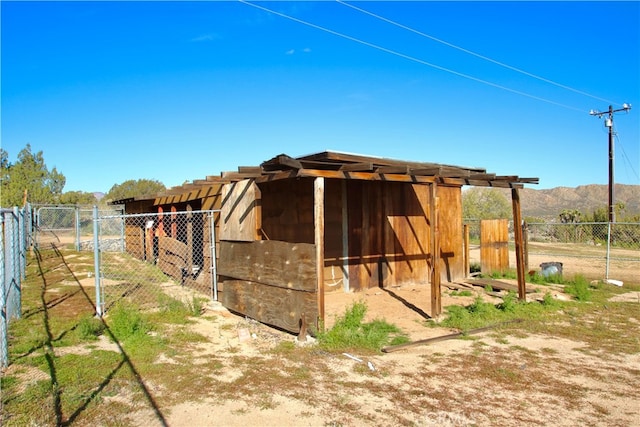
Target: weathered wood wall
[[389, 241], [172, 258], [271, 281], [240, 202], [387, 229], [494, 245]]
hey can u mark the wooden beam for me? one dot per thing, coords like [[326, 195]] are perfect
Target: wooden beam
[[318, 220], [517, 228], [403, 169], [239, 176], [366, 176], [436, 295], [278, 175], [357, 167], [250, 169]]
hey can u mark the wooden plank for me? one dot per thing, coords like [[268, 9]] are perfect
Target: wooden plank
[[271, 305], [517, 226], [238, 211], [494, 245], [432, 340], [270, 262], [318, 221], [497, 284]]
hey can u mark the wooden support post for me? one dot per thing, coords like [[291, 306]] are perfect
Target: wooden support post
[[190, 240], [318, 219], [517, 229], [467, 268], [173, 222], [436, 296], [345, 237]]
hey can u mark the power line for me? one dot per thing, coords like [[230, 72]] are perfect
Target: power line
[[626, 157], [502, 64], [411, 58]]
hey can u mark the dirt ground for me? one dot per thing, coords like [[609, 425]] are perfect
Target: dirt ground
[[530, 379], [496, 378]]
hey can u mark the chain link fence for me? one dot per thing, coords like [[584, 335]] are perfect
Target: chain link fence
[[594, 250], [598, 250], [15, 238], [68, 226], [144, 259]]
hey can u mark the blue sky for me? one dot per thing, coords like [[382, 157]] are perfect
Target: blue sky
[[176, 91]]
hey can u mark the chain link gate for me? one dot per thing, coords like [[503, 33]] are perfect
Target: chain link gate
[[68, 226], [157, 256]]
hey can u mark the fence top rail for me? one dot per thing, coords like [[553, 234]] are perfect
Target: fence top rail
[[142, 215]]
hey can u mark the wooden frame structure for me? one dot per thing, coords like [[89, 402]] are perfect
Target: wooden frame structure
[[292, 229]]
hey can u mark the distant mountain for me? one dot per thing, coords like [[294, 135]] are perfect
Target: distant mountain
[[98, 195], [586, 198]]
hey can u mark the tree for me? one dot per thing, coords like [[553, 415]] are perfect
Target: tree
[[570, 216], [134, 188], [485, 203], [78, 198], [30, 174]]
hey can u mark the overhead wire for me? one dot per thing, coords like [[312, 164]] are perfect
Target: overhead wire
[[411, 58], [467, 51], [628, 161]]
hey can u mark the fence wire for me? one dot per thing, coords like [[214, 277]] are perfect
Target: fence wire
[[144, 259]]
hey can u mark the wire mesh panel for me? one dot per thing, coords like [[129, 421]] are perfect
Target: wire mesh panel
[[157, 256]]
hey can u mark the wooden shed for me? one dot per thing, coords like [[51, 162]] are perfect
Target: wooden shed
[[292, 229]]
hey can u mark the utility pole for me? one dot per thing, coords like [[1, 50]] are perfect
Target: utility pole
[[608, 122]]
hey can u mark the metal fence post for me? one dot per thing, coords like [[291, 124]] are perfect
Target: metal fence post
[[4, 343], [96, 262], [15, 267], [22, 243], [214, 270], [78, 228]]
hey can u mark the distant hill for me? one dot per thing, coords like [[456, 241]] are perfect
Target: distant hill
[[586, 198]]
